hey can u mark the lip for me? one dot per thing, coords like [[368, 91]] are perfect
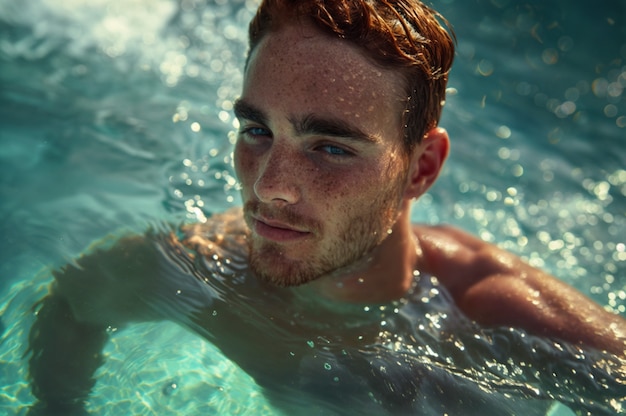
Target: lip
[[277, 231]]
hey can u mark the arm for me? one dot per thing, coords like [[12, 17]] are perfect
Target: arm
[[64, 356], [496, 288], [66, 341]]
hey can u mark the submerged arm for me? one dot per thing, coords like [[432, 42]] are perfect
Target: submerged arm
[[496, 288], [65, 355], [101, 290]]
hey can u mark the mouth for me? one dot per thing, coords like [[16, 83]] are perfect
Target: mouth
[[277, 231]]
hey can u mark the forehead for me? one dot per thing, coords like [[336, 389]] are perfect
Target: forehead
[[298, 66]]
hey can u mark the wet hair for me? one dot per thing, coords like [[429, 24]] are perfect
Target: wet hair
[[402, 35]]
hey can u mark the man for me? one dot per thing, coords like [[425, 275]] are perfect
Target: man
[[338, 135]]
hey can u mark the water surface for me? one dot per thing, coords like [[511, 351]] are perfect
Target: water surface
[[115, 116]]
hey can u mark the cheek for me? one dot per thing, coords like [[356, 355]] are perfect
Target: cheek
[[362, 187], [346, 189]]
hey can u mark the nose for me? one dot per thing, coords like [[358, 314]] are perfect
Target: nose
[[277, 178]]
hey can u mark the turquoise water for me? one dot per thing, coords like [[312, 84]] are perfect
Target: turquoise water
[[115, 115]]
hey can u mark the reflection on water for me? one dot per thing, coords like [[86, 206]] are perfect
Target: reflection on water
[[117, 114]]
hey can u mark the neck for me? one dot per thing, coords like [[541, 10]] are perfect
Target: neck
[[383, 275]]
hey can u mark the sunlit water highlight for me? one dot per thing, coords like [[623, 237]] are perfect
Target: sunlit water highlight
[[116, 115]]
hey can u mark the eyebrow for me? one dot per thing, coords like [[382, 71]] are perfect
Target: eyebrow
[[331, 127], [246, 111], [307, 125]]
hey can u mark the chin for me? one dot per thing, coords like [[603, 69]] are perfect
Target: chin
[[283, 278], [271, 266]]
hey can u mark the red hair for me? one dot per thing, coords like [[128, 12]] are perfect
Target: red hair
[[402, 35]]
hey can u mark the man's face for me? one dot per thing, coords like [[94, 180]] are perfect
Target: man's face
[[319, 155]]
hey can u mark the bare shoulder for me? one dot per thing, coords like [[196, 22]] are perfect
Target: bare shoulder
[[497, 288], [445, 250], [223, 232]]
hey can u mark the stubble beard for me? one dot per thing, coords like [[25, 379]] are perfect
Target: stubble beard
[[361, 233]]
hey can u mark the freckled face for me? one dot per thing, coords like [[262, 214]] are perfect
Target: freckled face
[[319, 155]]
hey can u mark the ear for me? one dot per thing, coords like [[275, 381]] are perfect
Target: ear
[[426, 162]]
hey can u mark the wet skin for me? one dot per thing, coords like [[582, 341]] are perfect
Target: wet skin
[[326, 181]]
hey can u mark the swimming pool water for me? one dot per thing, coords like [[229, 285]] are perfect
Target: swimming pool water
[[115, 115]]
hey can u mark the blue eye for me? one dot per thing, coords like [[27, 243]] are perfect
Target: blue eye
[[255, 135], [257, 131], [334, 150]]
